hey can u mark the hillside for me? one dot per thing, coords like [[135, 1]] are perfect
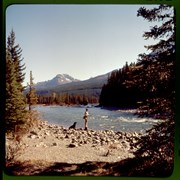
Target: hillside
[[90, 87]]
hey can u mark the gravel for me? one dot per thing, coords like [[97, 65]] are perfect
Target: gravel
[[54, 143]]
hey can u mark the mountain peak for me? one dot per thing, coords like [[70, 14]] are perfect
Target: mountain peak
[[59, 79]]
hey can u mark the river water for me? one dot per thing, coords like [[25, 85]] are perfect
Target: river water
[[99, 119]]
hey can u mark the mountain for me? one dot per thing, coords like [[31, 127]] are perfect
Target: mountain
[[90, 87], [57, 80]]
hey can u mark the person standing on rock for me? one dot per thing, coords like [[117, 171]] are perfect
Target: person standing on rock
[[85, 117]]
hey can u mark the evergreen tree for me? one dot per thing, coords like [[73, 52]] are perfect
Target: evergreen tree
[[157, 68], [31, 96], [15, 113], [157, 77], [16, 52], [120, 90]]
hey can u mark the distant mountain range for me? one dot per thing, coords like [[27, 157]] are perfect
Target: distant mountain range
[[56, 81], [64, 83]]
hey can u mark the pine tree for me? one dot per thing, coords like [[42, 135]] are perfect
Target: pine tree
[[32, 98], [157, 68], [16, 53], [157, 78], [15, 113]]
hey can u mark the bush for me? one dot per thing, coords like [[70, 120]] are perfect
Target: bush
[[156, 148], [14, 147]]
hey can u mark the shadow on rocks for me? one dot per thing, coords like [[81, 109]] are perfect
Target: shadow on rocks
[[134, 167]]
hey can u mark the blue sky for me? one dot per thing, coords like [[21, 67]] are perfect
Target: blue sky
[[81, 40]]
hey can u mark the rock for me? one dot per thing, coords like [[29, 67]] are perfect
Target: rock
[[134, 140], [115, 146], [108, 140], [115, 141], [50, 126], [128, 135], [55, 131], [73, 140], [40, 128], [32, 136], [60, 137], [67, 136], [135, 134], [96, 141], [47, 133], [103, 143], [34, 133], [64, 131], [125, 144], [54, 144], [72, 145], [85, 142], [78, 137], [81, 142], [55, 126]]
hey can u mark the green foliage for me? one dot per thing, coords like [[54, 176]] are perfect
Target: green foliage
[[157, 79], [121, 90], [150, 83], [158, 143], [31, 96], [15, 52], [152, 80], [157, 72], [15, 112], [67, 99]]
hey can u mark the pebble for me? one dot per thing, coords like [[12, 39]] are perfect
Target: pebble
[[54, 144], [32, 136], [72, 145]]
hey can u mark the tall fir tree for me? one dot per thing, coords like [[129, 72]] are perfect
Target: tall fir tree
[[32, 98], [16, 52], [157, 77], [157, 68], [15, 108]]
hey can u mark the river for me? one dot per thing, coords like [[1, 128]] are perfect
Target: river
[[99, 119]]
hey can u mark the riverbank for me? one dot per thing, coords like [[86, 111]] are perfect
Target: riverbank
[[55, 144]]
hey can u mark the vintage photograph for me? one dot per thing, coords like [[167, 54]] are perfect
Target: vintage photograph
[[90, 90]]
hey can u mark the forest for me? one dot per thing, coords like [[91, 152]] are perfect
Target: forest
[[67, 99]]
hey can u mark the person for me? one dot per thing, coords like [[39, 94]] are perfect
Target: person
[[85, 117]]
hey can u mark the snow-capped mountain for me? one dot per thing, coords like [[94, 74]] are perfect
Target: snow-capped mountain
[[57, 80]]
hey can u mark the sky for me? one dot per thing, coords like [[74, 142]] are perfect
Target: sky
[[83, 41]]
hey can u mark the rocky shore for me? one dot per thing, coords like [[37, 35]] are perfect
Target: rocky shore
[[54, 143]]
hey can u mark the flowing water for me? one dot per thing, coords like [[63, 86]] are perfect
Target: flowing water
[[99, 119]]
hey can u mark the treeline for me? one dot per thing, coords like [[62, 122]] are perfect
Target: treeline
[[148, 84], [67, 99], [121, 90]]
